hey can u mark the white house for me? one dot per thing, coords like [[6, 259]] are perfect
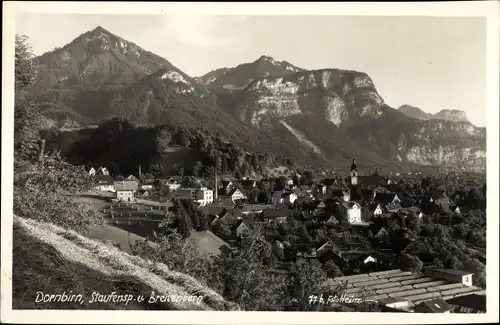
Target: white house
[[204, 196], [147, 184], [381, 233], [131, 178], [378, 210], [242, 230], [290, 197], [125, 190], [102, 171], [354, 212], [236, 194], [104, 183], [332, 221], [92, 171], [369, 259], [172, 184]]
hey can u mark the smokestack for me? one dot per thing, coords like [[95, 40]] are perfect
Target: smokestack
[[216, 186], [139, 171]]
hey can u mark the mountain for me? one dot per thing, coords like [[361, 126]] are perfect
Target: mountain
[[348, 104], [323, 117], [72, 76], [239, 77], [210, 77], [445, 114], [414, 112], [451, 115]]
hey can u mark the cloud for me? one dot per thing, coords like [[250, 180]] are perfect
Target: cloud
[[200, 30]]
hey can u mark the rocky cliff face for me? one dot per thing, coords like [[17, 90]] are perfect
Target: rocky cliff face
[[415, 112], [335, 95], [445, 114], [439, 142], [349, 101], [237, 78], [451, 115]]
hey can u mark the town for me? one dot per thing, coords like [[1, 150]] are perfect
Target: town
[[350, 225]]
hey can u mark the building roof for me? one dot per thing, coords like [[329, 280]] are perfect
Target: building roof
[[249, 208], [469, 303], [126, 185], [437, 305], [373, 206], [330, 181], [413, 287], [275, 213], [247, 183], [384, 198], [452, 271], [367, 194], [332, 220], [372, 180], [392, 207], [328, 246], [211, 209], [339, 193], [305, 187], [104, 180], [149, 181], [234, 190], [351, 204]]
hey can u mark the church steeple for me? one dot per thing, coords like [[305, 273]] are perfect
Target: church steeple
[[354, 166], [354, 173]]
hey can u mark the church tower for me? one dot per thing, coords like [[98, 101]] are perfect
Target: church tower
[[354, 173]]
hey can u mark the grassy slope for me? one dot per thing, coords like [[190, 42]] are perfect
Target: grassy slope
[[52, 259]]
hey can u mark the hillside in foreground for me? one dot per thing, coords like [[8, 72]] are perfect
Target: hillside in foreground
[[51, 259]]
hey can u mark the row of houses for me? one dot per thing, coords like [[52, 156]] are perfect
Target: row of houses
[[129, 188]]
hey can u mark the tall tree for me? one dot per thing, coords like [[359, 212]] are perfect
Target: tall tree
[[27, 117], [163, 140]]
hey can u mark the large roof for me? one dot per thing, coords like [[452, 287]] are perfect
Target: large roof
[[412, 287], [126, 185]]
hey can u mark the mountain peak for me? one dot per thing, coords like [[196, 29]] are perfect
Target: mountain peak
[[266, 58], [452, 115], [99, 30]]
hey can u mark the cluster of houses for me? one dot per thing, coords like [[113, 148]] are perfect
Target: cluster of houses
[[233, 215], [131, 188]]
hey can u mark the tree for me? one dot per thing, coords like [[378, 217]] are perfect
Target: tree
[[306, 278], [184, 222], [157, 170], [246, 280], [221, 230], [410, 263], [254, 195], [179, 254], [304, 239], [281, 183], [197, 169], [44, 183], [332, 270], [179, 170], [309, 177], [163, 140], [263, 197], [25, 70], [27, 116]]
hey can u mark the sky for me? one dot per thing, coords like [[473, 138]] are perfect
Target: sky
[[433, 63]]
